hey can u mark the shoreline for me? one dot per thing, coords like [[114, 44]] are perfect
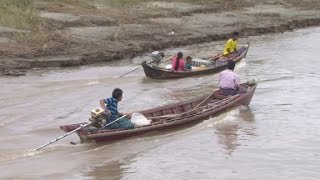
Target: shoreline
[[131, 40]]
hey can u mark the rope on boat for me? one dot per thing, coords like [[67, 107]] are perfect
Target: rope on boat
[[130, 71]]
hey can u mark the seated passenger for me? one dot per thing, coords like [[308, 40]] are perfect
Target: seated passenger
[[229, 81], [188, 65], [178, 62], [110, 106]]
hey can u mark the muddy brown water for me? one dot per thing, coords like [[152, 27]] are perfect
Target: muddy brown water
[[276, 137]]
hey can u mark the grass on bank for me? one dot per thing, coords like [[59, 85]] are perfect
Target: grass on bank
[[20, 14], [23, 14], [224, 3], [304, 4], [73, 4]]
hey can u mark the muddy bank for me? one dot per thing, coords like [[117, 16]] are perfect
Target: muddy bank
[[81, 40]]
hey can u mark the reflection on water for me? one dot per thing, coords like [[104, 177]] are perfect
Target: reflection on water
[[111, 171], [227, 128], [246, 114], [227, 136]]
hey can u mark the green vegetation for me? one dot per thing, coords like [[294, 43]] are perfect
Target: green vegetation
[[305, 4], [81, 3], [24, 14], [19, 14], [118, 3], [224, 4], [66, 1], [122, 3]]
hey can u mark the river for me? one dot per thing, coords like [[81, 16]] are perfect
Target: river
[[276, 137]]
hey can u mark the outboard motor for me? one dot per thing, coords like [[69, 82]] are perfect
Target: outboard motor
[[98, 118], [156, 57]]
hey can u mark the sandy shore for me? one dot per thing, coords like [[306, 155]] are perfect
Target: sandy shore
[[91, 37]]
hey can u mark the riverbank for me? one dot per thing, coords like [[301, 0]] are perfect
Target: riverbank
[[73, 34]]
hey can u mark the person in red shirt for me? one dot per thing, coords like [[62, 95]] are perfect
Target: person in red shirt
[[178, 62]]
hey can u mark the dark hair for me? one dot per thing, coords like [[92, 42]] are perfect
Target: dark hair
[[179, 56], [116, 93], [235, 34], [231, 64], [189, 59]]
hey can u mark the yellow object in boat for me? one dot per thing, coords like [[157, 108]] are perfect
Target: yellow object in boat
[[96, 112]]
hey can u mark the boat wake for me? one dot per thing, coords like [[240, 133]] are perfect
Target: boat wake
[[229, 118], [10, 155], [92, 83], [241, 64]]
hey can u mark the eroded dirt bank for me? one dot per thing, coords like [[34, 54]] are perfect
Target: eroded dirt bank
[[101, 33]]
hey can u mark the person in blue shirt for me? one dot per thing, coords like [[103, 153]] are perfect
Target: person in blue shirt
[[188, 64], [110, 106]]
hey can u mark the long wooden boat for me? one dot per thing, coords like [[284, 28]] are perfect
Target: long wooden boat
[[173, 115], [154, 71]]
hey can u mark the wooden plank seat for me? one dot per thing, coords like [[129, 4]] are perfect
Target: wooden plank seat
[[217, 95]]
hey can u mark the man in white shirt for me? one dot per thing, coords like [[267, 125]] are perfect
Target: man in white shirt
[[229, 80]]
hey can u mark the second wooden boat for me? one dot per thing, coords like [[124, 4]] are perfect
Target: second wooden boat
[[155, 71]]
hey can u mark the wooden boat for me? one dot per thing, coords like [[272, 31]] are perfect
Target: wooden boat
[[173, 115], [155, 71]]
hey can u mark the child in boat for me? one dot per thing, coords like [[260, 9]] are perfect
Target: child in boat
[[188, 65], [110, 106]]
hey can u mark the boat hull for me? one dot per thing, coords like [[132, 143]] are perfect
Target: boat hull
[[165, 123], [155, 72]]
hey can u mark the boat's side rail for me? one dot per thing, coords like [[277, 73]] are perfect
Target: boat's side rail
[[200, 112], [195, 112]]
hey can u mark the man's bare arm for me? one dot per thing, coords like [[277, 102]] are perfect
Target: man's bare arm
[[102, 104]]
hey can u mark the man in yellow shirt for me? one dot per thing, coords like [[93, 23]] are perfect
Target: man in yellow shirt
[[231, 45]]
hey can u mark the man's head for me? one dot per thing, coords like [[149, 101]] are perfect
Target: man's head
[[235, 35], [231, 65], [117, 94]]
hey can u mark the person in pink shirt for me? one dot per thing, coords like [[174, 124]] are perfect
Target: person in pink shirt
[[229, 80], [178, 62]]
